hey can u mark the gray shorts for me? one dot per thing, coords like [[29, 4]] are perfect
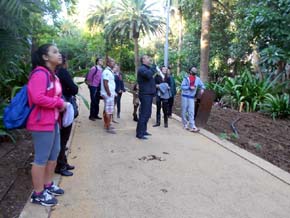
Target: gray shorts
[[46, 145]]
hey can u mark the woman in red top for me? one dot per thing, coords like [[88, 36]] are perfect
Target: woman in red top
[[44, 95]]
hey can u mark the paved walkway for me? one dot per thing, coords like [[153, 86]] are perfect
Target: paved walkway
[[198, 175]]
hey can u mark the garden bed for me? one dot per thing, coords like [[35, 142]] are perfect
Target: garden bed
[[15, 177], [258, 134]]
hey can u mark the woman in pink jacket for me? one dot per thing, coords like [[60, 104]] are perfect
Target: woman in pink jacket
[[44, 94]]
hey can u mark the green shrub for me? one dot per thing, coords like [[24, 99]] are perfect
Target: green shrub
[[276, 106], [217, 87], [249, 90], [3, 131], [178, 80], [130, 77]]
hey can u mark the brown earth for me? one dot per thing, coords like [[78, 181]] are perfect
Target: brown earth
[[15, 179], [257, 133]]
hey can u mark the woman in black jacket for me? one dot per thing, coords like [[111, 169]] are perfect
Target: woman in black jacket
[[69, 90]]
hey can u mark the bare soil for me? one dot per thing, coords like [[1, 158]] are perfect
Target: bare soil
[[15, 177], [258, 134]]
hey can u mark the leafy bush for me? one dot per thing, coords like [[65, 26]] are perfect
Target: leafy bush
[[16, 76], [276, 106], [217, 87], [3, 131], [130, 77], [249, 90], [178, 80]]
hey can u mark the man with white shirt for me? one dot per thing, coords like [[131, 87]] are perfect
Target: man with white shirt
[[108, 93]]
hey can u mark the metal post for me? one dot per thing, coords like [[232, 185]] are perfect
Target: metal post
[[167, 31]]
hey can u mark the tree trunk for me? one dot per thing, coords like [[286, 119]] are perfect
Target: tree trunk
[[179, 41], [205, 39], [136, 54]]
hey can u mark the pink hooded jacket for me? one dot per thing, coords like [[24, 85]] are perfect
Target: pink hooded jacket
[[42, 117]]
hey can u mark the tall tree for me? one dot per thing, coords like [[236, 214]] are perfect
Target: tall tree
[[132, 18], [99, 14], [176, 13], [98, 17], [205, 39]]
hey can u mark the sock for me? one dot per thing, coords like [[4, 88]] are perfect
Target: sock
[[48, 185], [38, 193]]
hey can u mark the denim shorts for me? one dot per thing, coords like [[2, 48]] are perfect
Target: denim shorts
[[46, 145]]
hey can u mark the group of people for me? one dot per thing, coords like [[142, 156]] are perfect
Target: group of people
[[51, 88], [106, 84], [152, 82]]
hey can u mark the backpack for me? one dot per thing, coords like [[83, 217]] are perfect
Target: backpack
[[87, 75], [17, 112]]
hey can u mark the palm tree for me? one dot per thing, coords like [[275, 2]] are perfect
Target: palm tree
[[205, 39], [98, 15], [97, 19], [132, 18]]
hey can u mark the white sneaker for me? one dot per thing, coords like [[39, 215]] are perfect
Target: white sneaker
[[194, 129]]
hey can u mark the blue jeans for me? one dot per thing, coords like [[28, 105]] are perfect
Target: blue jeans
[[187, 112], [145, 111]]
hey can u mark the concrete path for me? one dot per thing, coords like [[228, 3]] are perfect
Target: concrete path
[[196, 177]]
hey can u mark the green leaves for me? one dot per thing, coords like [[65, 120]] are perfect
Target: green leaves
[[254, 94], [269, 21], [277, 106]]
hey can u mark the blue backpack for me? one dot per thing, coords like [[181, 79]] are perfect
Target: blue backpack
[[17, 112]]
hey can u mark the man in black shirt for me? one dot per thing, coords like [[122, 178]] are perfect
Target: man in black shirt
[[147, 90]]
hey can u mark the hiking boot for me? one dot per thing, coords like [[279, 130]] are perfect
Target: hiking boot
[[44, 199], [54, 190]]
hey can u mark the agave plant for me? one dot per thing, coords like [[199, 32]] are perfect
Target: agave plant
[[249, 90], [276, 106]]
